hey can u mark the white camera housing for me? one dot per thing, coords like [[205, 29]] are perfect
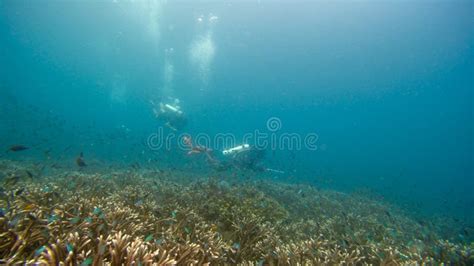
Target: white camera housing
[[236, 149], [168, 107]]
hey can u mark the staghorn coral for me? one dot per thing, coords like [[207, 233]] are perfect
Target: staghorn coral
[[144, 217]]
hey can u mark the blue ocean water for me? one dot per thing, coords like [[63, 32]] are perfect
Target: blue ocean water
[[386, 87]]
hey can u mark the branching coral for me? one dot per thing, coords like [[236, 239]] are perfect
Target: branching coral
[[149, 218]]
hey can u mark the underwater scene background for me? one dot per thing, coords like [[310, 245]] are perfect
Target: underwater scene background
[[117, 120]]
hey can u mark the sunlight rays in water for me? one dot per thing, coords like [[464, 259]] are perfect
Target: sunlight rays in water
[[203, 50]]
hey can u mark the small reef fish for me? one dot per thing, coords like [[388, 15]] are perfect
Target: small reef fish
[[149, 238], [16, 148], [80, 160], [29, 174], [274, 170], [19, 191], [29, 207], [236, 246], [40, 250]]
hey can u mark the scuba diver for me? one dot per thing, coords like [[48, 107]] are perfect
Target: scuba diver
[[171, 114], [243, 157]]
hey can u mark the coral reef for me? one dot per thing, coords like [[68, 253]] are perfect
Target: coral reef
[[148, 217]]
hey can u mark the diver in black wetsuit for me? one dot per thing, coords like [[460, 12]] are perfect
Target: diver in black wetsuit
[[241, 157], [171, 114]]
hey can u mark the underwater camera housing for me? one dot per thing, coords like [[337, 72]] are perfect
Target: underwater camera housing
[[245, 157], [171, 114], [165, 108], [237, 149]]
